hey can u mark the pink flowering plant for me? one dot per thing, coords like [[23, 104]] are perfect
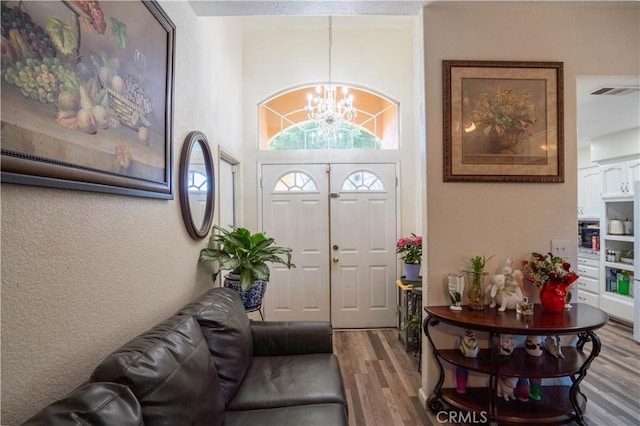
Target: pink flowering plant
[[543, 269], [410, 248]]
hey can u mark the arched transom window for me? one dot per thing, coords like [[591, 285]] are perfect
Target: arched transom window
[[284, 124]]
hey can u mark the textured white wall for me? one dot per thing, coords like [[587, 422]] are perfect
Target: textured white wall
[[84, 272], [511, 220]]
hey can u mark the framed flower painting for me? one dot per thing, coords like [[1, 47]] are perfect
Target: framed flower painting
[[503, 121]]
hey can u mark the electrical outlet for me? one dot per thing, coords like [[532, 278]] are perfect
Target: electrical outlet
[[561, 248]]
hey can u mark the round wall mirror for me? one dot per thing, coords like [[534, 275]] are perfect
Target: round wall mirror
[[197, 185]]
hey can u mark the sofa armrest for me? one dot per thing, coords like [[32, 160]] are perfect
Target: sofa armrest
[[271, 338]]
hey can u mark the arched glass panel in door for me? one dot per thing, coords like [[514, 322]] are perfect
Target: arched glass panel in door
[[197, 182], [362, 180], [295, 182]]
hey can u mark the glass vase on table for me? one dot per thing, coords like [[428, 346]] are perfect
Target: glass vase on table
[[476, 282]]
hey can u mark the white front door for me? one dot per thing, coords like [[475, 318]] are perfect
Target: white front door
[[340, 221], [363, 231], [294, 212]]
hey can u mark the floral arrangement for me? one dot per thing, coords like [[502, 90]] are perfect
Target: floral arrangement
[[543, 269], [504, 111], [410, 248]]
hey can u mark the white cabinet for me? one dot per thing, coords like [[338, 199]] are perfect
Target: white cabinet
[[588, 284], [589, 298], [618, 178], [589, 189]]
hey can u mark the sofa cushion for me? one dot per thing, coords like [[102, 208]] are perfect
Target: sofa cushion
[[171, 373], [307, 415], [291, 337], [226, 327], [277, 381], [95, 404]]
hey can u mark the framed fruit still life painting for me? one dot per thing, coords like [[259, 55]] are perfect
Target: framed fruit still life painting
[[503, 121], [87, 96]]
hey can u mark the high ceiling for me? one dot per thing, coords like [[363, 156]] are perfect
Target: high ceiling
[[308, 8], [597, 115]]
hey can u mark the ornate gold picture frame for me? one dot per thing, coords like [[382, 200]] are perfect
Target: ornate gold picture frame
[[503, 121]]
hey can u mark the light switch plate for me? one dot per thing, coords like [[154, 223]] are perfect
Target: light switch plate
[[562, 248]]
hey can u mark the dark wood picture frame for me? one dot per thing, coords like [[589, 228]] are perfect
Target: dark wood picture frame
[[503, 121], [104, 120]]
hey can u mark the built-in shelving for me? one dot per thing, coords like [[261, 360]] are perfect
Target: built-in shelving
[[619, 306]]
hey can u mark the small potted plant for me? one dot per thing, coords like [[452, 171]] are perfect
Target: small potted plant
[[410, 251], [475, 294], [246, 256]]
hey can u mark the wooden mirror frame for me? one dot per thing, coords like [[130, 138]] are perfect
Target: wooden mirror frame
[[196, 231]]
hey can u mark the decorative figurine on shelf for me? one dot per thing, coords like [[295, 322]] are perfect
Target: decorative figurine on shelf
[[522, 389], [506, 387], [456, 287], [534, 345], [462, 375], [507, 344], [534, 389], [469, 344], [507, 288], [553, 345]]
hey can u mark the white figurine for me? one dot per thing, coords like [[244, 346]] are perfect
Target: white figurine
[[507, 289], [506, 387], [534, 345], [553, 345], [507, 344], [469, 344]]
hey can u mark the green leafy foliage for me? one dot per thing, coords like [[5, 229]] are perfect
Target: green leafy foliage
[[119, 31], [414, 322], [503, 111], [62, 35], [479, 262], [243, 253], [309, 136]]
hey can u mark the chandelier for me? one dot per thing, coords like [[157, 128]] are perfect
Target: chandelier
[[324, 108]]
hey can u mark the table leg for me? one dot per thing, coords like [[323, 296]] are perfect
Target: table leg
[[589, 336]]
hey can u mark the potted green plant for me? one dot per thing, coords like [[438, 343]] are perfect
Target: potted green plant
[[246, 256], [475, 294]]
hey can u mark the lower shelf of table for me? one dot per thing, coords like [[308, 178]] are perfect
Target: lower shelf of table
[[554, 406]]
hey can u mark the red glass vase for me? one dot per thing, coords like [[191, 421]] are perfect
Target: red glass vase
[[553, 295]]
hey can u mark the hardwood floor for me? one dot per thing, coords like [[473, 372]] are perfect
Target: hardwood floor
[[612, 384], [382, 380]]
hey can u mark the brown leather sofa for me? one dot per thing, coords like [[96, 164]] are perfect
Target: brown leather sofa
[[210, 365]]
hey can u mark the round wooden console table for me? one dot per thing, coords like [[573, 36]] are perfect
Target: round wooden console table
[[559, 404]]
